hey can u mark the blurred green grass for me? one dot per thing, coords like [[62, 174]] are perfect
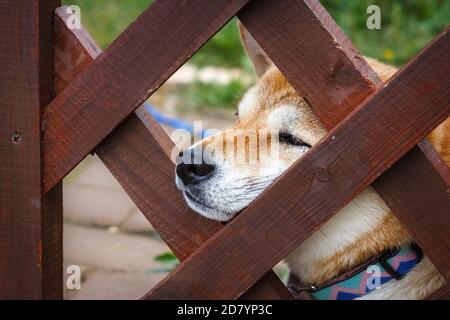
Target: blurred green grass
[[406, 27], [106, 19], [200, 95]]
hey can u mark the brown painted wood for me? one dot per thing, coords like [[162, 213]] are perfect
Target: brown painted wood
[[75, 49], [135, 158], [390, 123], [141, 59], [52, 244], [442, 294], [313, 53], [30, 223], [133, 147], [320, 15], [322, 65], [138, 153], [425, 208]]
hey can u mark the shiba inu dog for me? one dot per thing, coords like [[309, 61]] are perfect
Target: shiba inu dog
[[332, 263]]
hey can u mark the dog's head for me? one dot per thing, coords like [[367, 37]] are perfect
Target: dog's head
[[275, 127]]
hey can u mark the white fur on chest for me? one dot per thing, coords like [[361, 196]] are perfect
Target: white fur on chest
[[357, 218]]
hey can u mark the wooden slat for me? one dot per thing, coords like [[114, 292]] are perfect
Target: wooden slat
[[425, 208], [300, 34], [135, 158], [137, 153], [441, 294], [132, 147], [387, 126], [129, 71], [313, 54], [52, 243], [30, 223], [75, 49]]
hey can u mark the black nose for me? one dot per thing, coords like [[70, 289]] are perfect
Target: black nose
[[190, 171]]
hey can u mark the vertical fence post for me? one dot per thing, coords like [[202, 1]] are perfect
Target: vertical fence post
[[30, 221]]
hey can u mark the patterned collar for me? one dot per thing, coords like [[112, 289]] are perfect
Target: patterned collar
[[372, 275]]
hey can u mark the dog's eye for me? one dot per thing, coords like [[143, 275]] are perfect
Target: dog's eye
[[287, 138]]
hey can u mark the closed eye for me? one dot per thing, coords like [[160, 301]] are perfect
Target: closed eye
[[287, 138]]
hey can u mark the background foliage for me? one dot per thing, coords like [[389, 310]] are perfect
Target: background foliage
[[407, 26]]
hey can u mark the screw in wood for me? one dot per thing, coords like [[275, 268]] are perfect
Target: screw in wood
[[16, 139]]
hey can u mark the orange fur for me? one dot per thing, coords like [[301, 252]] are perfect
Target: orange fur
[[440, 139], [388, 234]]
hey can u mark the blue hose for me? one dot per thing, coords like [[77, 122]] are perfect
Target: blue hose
[[171, 122]]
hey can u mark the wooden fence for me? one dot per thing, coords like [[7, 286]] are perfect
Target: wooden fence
[[58, 106]]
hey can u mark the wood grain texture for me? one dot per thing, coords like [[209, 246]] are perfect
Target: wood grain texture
[[30, 223], [425, 208], [318, 60], [135, 158], [52, 244], [367, 91], [75, 49], [140, 60], [313, 54], [138, 154], [441, 294], [390, 123]]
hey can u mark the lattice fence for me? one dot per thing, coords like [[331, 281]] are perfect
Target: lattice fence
[[96, 107]]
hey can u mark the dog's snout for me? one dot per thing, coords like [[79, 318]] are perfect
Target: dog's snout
[[191, 172]]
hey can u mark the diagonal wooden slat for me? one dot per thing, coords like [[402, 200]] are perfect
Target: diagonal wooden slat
[[441, 294], [369, 86], [147, 175], [320, 62], [141, 59], [390, 123], [419, 198], [314, 55], [137, 153]]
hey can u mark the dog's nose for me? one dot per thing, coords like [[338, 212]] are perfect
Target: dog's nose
[[189, 171]]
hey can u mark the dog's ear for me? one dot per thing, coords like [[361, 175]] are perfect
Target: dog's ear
[[261, 62]]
